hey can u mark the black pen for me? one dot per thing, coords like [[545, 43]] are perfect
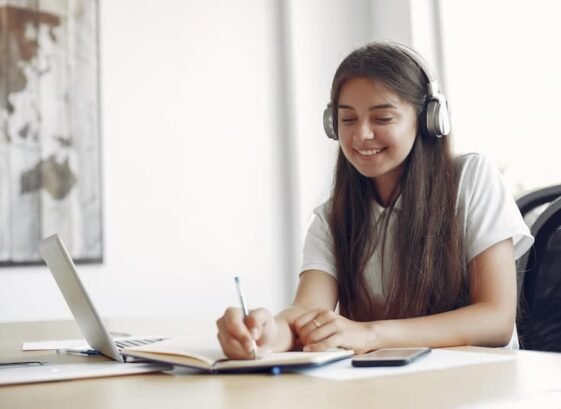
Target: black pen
[[245, 312], [88, 352]]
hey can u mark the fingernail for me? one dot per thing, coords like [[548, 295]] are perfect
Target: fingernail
[[250, 346], [306, 349], [254, 333]]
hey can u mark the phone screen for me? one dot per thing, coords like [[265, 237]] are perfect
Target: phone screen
[[389, 357]]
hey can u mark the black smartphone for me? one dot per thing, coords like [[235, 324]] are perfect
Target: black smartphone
[[389, 357]]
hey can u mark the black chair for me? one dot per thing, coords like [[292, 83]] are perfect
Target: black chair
[[530, 202], [539, 319], [531, 205]]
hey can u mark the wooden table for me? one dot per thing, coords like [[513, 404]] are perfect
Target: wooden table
[[531, 374]]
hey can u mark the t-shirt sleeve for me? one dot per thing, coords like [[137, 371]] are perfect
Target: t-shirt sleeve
[[318, 245], [491, 212]]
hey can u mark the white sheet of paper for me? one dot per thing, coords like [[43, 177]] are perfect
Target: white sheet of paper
[[48, 373], [437, 359], [80, 344]]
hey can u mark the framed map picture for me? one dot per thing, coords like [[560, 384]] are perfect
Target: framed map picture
[[50, 159]]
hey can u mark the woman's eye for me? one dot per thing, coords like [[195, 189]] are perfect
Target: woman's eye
[[384, 119], [347, 120]]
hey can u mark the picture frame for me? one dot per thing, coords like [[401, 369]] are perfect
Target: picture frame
[[50, 129]]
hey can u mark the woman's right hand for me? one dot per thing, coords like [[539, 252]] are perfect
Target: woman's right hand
[[237, 336]]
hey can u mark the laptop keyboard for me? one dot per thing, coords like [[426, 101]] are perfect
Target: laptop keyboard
[[136, 342]]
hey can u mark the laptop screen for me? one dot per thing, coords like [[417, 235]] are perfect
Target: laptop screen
[[62, 267]]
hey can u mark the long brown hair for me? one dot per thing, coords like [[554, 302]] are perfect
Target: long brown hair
[[428, 266]]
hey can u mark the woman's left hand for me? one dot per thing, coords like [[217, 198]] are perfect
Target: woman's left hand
[[322, 329]]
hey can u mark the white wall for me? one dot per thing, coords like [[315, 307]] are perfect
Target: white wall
[[191, 174], [213, 153], [213, 150], [503, 70]]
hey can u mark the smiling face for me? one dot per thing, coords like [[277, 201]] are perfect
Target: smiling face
[[376, 130]]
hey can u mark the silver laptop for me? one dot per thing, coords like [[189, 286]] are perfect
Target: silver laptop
[[62, 267]]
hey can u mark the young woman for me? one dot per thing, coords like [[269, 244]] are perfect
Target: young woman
[[416, 247]]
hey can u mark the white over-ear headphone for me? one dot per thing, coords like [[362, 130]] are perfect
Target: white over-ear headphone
[[434, 118]]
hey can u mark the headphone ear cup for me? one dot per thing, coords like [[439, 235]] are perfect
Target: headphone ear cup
[[437, 119], [328, 123]]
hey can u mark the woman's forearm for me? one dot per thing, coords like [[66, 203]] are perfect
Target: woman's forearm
[[480, 324]]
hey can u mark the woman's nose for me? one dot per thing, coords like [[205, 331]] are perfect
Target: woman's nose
[[365, 131]]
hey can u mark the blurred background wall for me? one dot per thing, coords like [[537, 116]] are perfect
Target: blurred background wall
[[214, 155]]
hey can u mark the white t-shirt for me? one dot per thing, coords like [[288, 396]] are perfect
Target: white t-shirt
[[490, 216]]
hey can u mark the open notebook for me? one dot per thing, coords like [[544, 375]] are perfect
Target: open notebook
[[180, 351]]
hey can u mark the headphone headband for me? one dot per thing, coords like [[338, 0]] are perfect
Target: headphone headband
[[434, 119], [420, 61]]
